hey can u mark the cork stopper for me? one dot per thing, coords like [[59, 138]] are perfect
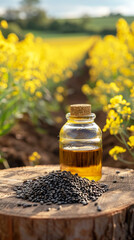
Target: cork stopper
[[80, 110]]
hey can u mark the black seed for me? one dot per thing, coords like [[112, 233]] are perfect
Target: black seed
[[99, 209], [18, 196], [114, 181], [60, 188], [19, 204], [94, 199], [96, 204], [84, 202], [29, 205], [48, 209], [122, 177], [49, 203], [25, 205], [59, 208], [117, 172], [35, 204], [93, 181]]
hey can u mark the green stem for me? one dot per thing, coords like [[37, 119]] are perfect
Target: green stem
[[124, 161], [119, 139], [124, 142], [5, 163]]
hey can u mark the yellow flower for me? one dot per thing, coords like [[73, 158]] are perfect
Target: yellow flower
[[117, 100], [69, 74], [60, 89], [4, 24], [115, 126], [86, 89], [126, 110], [113, 123], [59, 97], [108, 123], [12, 37], [115, 151], [128, 83], [131, 128], [114, 87], [34, 157], [132, 92], [38, 94], [58, 119], [103, 99], [112, 114], [131, 141]]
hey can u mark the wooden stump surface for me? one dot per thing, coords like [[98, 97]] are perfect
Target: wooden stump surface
[[73, 221]]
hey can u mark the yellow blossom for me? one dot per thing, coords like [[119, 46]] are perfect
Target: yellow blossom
[[131, 141], [59, 97], [117, 100], [131, 128], [114, 152], [58, 119], [4, 24], [113, 124], [126, 111], [69, 74], [114, 87], [60, 89], [128, 83], [132, 92], [38, 94], [86, 89], [34, 157], [12, 38]]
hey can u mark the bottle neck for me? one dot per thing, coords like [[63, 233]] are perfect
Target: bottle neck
[[84, 119]]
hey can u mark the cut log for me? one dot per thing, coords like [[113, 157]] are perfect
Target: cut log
[[72, 222]]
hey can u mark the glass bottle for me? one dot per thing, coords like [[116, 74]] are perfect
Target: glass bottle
[[80, 145]]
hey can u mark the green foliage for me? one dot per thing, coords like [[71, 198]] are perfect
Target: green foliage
[[37, 21], [10, 108], [13, 28]]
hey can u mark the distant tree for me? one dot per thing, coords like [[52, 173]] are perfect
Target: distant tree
[[85, 20], [38, 20], [11, 14], [29, 3], [35, 17], [30, 8], [112, 14], [55, 25]]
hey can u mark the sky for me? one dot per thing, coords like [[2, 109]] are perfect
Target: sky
[[77, 8]]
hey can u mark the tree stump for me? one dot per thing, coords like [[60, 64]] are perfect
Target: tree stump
[[72, 222]]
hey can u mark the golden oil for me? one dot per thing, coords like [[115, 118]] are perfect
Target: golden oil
[[87, 163]]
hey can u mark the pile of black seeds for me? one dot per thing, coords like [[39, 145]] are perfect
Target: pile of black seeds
[[60, 188]]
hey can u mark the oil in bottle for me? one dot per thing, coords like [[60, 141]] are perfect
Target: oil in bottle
[[87, 163], [80, 145]]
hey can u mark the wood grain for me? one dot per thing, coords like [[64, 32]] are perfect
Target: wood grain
[[72, 222]]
